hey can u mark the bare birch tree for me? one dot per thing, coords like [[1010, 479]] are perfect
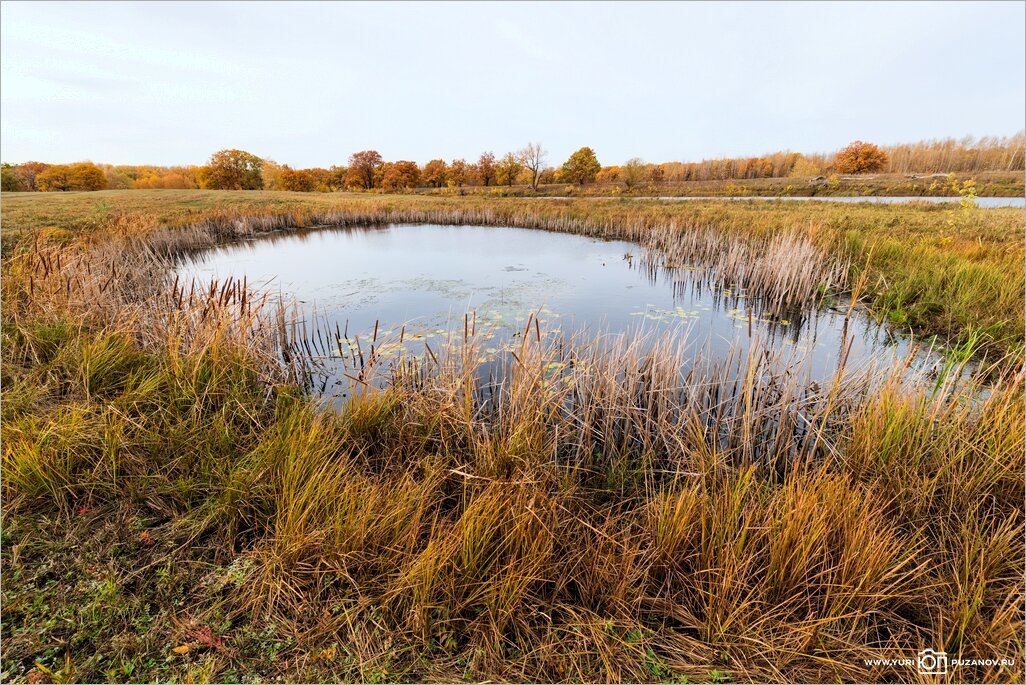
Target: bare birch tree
[[533, 159]]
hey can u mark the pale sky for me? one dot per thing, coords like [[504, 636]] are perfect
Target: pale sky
[[308, 84]]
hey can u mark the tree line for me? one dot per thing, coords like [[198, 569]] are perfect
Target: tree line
[[368, 171]]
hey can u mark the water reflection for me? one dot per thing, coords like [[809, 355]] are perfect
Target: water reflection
[[382, 292]]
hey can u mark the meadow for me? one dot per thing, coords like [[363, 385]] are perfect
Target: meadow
[[178, 506], [988, 184]]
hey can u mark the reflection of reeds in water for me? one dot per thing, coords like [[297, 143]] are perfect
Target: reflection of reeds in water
[[785, 270]]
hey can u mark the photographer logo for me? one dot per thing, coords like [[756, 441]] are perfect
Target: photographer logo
[[930, 662]]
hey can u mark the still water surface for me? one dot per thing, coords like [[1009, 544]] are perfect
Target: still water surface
[[428, 277]]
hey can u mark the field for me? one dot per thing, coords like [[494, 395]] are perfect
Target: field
[[177, 508], [988, 184]]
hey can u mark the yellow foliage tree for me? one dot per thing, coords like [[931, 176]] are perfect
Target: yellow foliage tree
[[582, 167]]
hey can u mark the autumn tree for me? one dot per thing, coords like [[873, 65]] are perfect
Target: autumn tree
[[486, 168], [582, 167], [435, 173], [56, 178], [532, 157], [473, 175], [270, 174], [233, 170], [608, 174], [9, 181], [364, 168], [115, 178], [803, 166], [508, 169], [295, 180], [401, 175], [321, 178], [28, 171], [860, 158], [337, 178], [87, 176], [456, 176], [632, 172], [81, 176], [162, 177], [389, 177]]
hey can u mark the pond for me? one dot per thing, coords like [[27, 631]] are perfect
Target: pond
[[421, 283]]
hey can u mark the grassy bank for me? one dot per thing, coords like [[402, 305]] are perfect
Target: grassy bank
[[176, 508], [987, 184]]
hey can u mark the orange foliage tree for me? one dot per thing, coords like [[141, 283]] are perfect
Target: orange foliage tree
[[296, 180], [325, 179], [364, 169], [435, 173], [457, 174], [486, 169], [55, 178], [28, 171], [233, 170], [401, 175], [860, 158]]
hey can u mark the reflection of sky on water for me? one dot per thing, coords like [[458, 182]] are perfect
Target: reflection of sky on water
[[428, 277]]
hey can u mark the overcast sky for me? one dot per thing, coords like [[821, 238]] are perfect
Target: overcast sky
[[308, 84]]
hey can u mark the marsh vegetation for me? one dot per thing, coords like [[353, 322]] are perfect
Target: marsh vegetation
[[179, 505]]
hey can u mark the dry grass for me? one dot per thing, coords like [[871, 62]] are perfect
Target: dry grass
[[587, 515]]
